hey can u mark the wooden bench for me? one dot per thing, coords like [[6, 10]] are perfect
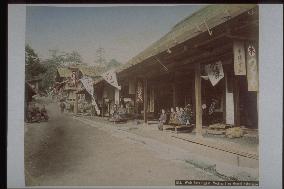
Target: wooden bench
[[178, 127]]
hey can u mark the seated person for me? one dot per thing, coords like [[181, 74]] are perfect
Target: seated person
[[172, 117], [162, 120], [122, 110], [211, 110], [177, 117], [189, 113], [119, 114], [37, 114], [182, 117]]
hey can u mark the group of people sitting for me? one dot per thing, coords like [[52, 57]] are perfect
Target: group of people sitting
[[178, 116], [35, 114], [119, 114]]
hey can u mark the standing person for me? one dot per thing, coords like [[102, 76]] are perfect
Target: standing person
[[162, 120], [44, 113], [62, 106]]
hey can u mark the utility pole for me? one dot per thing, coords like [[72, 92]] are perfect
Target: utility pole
[[100, 57]]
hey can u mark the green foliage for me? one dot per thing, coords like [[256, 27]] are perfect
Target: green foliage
[[58, 59], [33, 66], [112, 64]]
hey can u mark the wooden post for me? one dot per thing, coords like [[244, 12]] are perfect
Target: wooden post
[[237, 101], [198, 110], [174, 95], [174, 91], [193, 96], [76, 104], [224, 96], [145, 100]]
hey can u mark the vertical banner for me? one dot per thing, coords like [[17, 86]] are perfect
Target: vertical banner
[[116, 96], [131, 87], [139, 92], [252, 69], [88, 85], [239, 58], [215, 72], [152, 99]]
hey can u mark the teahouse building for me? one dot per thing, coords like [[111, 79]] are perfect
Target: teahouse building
[[210, 56]]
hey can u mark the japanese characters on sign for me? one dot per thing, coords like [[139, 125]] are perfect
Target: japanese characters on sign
[[239, 58], [252, 69], [215, 72], [110, 77]]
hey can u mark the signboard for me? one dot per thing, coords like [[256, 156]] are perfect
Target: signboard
[[252, 69], [139, 92], [152, 99], [239, 58], [110, 77], [215, 72]]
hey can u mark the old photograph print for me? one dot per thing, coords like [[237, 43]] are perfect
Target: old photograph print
[[142, 95]]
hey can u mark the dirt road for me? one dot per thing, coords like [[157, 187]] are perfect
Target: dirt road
[[66, 152]]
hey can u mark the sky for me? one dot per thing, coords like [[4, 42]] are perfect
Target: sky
[[122, 31]]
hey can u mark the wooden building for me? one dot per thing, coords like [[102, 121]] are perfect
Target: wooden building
[[69, 85], [171, 70]]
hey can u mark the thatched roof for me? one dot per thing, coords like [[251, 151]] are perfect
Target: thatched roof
[[89, 71], [64, 72], [212, 15]]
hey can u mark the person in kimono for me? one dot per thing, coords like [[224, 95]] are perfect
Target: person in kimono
[[212, 109], [183, 117], [189, 113], [178, 116], [62, 106], [43, 113], [172, 117], [162, 120]]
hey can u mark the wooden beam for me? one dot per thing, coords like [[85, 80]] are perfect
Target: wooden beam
[[241, 37], [145, 99], [206, 42], [198, 110]]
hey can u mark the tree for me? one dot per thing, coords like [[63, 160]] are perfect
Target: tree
[[33, 66], [112, 64], [58, 59], [74, 57]]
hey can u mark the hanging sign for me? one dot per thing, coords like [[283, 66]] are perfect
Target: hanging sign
[[239, 58], [88, 85], [252, 69], [110, 77], [139, 92], [215, 72], [152, 99]]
